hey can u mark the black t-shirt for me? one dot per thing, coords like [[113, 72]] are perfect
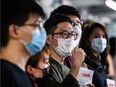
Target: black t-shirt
[[13, 76]]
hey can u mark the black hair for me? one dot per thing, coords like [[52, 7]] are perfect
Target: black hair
[[51, 24], [17, 12], [33, 62], [66, 10]]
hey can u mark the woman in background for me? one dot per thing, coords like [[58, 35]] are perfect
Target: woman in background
[[94, 41], [37, 67]]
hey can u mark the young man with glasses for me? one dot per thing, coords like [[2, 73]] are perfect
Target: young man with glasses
[[22, 37], [60, 38], [75, 17]]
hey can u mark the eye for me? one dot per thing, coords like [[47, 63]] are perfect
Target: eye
[[96, 36], [104, 36], [46, 60]]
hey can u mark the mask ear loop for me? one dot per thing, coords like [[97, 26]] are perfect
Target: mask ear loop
[[22, 41], [51, 41]]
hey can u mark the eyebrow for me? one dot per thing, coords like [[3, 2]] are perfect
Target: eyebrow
[[98, 33]]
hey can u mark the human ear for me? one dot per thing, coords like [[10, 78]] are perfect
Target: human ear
[[13, 31], [49, 39], [29, 69]]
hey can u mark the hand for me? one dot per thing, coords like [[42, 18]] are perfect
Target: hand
[[78, 56], [90, 85], [84, 65]]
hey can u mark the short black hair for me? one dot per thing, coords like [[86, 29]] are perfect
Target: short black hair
[[51, 23], [66, 10], [17, 12]]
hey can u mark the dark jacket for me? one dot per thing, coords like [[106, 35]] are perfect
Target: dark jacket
[[99, 78], [59, 77]]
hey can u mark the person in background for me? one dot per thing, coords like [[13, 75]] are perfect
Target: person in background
[[75, 17], [37, 67], [110, 71], [22, 37], [94, 41]]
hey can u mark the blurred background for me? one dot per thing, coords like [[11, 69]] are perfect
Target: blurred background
[[95, 10]]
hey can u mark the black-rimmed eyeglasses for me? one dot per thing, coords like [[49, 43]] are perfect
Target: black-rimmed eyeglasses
[[38, 24], [66, 34]]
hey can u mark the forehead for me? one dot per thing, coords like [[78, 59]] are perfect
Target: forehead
[[33, 17], [73, 18], [64, 26], [45, 55], [98, 32]]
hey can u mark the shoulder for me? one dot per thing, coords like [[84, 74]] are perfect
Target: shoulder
[[13, 76]]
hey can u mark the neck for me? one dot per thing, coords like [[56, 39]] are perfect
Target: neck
[[15, 56], [56, 57]]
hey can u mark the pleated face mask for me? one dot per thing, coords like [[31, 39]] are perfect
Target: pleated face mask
[[98, 44], [65, 47]]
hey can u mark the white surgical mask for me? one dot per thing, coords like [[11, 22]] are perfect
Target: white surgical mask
[[98, 44], [78, 30], [65, 47]]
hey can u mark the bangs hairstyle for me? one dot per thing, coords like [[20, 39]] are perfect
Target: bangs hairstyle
[[89, 27], [51, 24]]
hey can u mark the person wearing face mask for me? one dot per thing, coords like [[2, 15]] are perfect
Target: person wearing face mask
[[94, 41], [75, 17], [60, 38], [22, 37], [37, 69]]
